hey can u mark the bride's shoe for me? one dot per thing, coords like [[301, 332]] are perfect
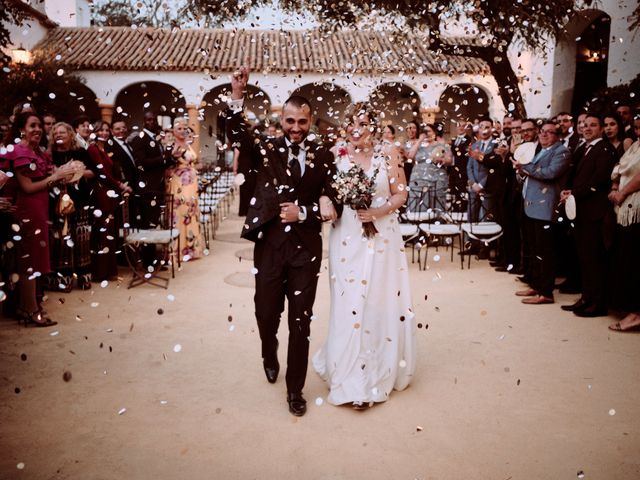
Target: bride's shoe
[[360, 406]]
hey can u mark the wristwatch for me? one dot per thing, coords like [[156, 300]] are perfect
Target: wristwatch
[[302, 214]]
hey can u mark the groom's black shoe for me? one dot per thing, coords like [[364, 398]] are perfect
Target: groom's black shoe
[[297, 404], [271, 369]]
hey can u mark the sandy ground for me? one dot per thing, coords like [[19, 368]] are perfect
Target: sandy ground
[[502, 391]]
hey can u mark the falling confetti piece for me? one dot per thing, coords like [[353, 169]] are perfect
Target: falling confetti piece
[[23, 357], [319, 401], [66, 376], [612, 412], [232, 328], [163, 402], [55, 333], [171, 297], [177, 348], [254, 271], [94, 304], [402, 363], [580, 474], [104, 284], [419, 428], [160, 311], [121, 411], [20, 466], [436, 258]]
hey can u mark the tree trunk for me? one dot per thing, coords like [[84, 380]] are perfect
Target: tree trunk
[[507, 81]]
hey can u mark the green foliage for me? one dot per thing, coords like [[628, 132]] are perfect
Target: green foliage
[[46, 87], [9, 14], [607, 98], [124, 13]]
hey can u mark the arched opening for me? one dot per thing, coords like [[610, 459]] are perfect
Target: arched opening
[[213, 145], [462, 101], [329, 102], [592, 58], [580, 60], [397, 103], [134, 101]]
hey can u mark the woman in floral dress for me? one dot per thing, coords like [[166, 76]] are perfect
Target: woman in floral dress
[[182, 183]]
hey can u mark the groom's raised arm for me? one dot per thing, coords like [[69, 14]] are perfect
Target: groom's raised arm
[[238, 131]]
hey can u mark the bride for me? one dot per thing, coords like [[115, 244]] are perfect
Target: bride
[[370, 347]]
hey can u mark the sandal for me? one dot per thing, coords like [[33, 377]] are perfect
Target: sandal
[[616, 327]]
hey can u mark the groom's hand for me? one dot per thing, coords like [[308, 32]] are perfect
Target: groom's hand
[[239, 81], [289, 212]]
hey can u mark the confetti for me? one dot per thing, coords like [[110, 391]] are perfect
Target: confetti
[[612, 412], [177, 348], [20, 466], [66, 376], [121, 411], [319, 401]]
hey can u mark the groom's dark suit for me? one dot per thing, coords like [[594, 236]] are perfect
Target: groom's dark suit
[[287, 256]]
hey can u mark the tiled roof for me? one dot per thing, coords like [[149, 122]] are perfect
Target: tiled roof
[[124, 48]]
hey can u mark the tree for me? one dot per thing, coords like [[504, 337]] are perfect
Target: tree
[[530, 24], [152, 13], [48, 89], [10, 14]]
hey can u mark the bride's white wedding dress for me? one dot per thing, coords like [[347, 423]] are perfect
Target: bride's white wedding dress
[[370, 347]]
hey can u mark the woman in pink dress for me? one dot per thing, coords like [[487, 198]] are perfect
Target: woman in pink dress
[[34, 176]]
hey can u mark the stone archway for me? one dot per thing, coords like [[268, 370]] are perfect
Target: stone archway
[[329, 102], [397, 103], [213, 145], [462, 101], [133, 101], [581, 60]]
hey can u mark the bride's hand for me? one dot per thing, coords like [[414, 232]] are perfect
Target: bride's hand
[[327, 210], [366, 215]]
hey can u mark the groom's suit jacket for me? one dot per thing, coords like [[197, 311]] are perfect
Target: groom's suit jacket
[[268, 157], [542, 186]]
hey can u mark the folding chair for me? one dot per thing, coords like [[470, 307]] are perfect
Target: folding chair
[[164, 236], [482, 231]]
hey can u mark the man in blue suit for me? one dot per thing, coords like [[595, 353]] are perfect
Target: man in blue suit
[[541, 194]]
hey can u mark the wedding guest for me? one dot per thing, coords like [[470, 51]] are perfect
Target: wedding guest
[[614, 133], [48, 120], [590, 184], [429, 174], [182, 183], [82, 126], [481, 179], [389, 134], [124, 166], [33, 171], [625, 196], [106, 194], [69, 206], [458, 168], [151, 163], [541, 192], [568, 133], [411, 144]]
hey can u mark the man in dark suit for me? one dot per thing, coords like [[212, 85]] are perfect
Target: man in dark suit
[[149, 189], [284, 220], [458, 170], [541, 192], [590, 183], [121, 153]]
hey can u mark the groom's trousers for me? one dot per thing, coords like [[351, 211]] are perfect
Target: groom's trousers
[[286, 271]]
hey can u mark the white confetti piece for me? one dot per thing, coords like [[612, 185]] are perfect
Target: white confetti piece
[[319, 401], [121, 411], [612, 412], [104, 284], [254, 271], [94, 304], [163, 402], [177, 348], [54, 333], [402, 363], [171, 297], [20, 466]]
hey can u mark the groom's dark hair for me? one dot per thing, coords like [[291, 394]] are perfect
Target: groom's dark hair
[[297, 101]]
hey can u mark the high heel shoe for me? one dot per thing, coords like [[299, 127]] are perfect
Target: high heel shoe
[[36, 318]]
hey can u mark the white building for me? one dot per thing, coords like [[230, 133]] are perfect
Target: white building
[[186, 72]]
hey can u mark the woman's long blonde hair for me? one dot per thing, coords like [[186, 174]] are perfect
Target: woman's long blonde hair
[[75, 145]]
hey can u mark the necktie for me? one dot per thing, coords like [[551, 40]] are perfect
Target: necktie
[[294, 163]]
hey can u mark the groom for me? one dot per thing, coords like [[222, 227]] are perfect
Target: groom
[[284, 220]]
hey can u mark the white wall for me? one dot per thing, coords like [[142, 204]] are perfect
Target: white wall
[[624, 49], [69, 13]]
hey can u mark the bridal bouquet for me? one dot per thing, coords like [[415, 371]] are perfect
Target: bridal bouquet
[[355, 189]]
